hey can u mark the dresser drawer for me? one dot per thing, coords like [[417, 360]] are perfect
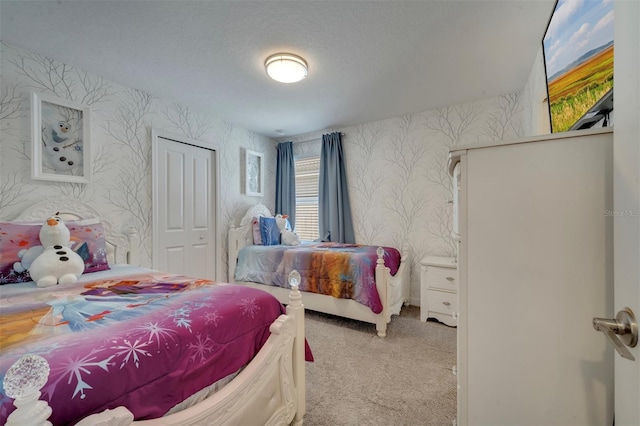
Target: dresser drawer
[[442, 302], [442, 278]]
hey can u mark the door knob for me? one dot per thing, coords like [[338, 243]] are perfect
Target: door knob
[[621, 331]]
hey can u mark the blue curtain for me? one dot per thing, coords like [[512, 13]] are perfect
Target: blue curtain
[[334, 209], [286, 182]]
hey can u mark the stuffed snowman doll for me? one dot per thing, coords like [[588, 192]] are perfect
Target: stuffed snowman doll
[[287, 237], [57, 264]]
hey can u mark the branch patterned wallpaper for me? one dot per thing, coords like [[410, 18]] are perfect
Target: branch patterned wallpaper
[[122, 119], [397, 168], [399, 185]]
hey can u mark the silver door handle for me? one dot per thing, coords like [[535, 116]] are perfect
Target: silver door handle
[[621, 331]]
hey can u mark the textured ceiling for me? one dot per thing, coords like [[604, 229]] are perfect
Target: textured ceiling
[[368, 60]]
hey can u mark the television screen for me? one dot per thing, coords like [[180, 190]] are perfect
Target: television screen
[[578, 56]]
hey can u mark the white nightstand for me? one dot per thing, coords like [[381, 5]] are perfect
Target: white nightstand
[[439, 289]]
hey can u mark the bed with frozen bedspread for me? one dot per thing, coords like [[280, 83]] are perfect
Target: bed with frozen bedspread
[[340, 270], [362, 282], [132, 339], [129, 342]]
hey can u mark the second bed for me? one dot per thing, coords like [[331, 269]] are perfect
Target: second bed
[[365, 283]]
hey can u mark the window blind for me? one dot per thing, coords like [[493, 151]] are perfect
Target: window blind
[[307, 176]]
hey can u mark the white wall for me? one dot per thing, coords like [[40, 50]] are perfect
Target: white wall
[[122, 118], [397, 168], [399, 185], [535, 105]]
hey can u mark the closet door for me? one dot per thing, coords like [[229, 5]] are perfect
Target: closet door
[[184, 209]]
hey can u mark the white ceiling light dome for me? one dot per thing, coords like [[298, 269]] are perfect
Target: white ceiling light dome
[[286, 67]]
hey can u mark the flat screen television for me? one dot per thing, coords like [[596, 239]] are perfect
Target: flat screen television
[[578, 57]]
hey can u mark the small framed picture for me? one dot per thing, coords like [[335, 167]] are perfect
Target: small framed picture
[[60, 137], [254, 173]]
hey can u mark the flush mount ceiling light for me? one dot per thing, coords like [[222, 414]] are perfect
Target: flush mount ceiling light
[[286, 67]]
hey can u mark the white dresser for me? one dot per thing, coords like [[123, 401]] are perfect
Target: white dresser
[[535, 265], [439, 289]]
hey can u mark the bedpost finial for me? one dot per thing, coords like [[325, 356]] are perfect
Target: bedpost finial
[[294, 282], [294, 278], [23, 382], [26, 376]]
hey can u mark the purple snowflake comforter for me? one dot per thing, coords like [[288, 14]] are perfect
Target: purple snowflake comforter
[[146, 341]]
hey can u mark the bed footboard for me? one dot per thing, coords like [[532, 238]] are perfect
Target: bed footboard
[[393, 290], [270, 390]]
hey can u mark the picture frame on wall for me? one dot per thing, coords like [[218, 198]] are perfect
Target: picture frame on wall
[[60, 139], [254, 173]]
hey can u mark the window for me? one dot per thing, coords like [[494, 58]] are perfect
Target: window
[[307, 179]]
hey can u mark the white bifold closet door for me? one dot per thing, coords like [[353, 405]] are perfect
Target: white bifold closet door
[[185, 222]]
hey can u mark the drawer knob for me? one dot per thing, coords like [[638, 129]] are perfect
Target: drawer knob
[[446, 303], [450, 278]]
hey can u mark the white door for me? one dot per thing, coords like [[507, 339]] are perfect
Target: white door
[[627, 199], [184, 209]]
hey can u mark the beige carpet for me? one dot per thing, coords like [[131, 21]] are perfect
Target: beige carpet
[[360, 379]]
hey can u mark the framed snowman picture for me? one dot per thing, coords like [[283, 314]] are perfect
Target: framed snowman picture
[[60, 133]]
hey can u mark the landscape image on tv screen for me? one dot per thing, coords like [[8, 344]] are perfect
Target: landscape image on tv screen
[[578, 55]]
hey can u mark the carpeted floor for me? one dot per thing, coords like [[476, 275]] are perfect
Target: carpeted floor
[[360, 379]]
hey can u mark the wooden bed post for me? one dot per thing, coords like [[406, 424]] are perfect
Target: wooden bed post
[[134, 246], [236, 239], [406, 278], [232, 253], [295, 308], [381, 284]]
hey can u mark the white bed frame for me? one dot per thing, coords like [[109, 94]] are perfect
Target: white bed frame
[[121, 248], [393, 290], [270, 390]]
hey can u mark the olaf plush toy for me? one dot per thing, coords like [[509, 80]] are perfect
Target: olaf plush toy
[[287, 237], [57, 264]]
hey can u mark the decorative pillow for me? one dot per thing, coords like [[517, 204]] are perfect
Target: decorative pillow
[[20, 245], [269, 231], [90, 236]]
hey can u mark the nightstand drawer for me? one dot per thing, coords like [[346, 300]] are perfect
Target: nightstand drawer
[[442, 278], [442, 302], [438, 289]]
